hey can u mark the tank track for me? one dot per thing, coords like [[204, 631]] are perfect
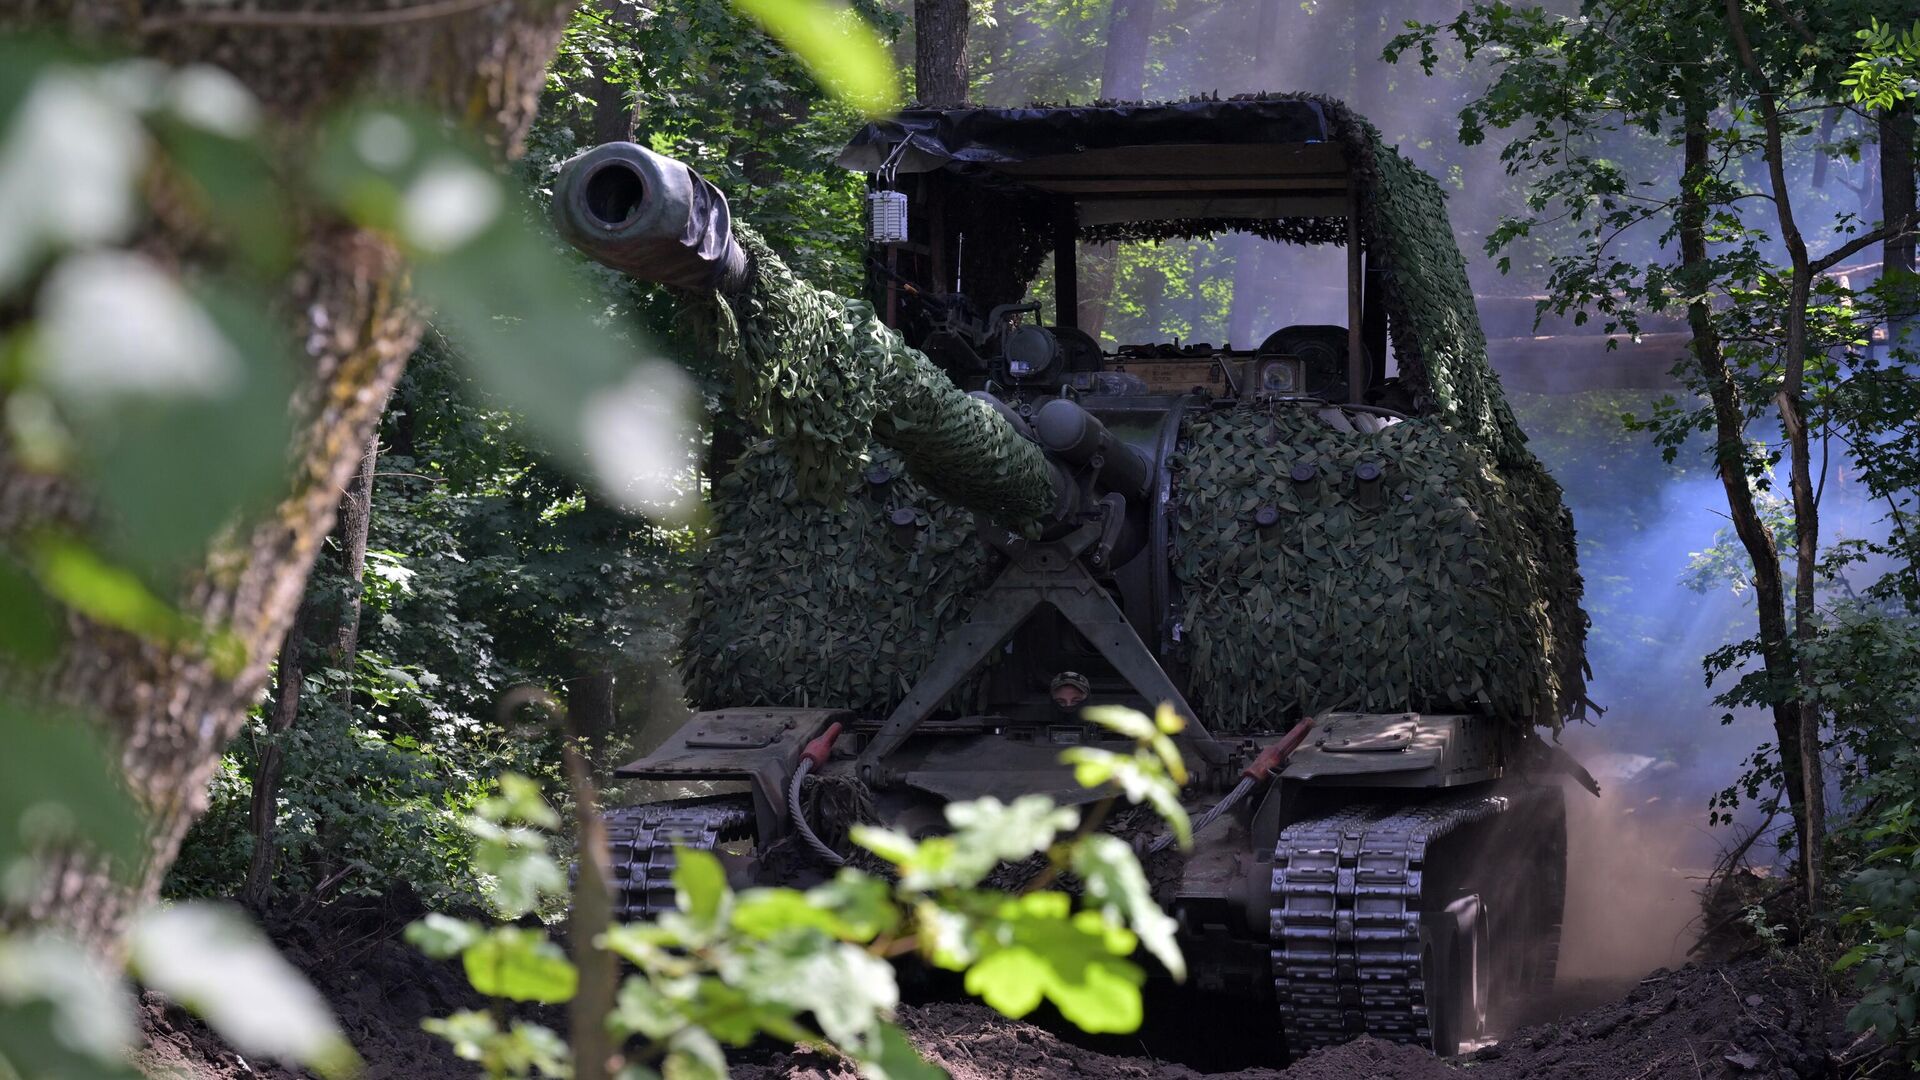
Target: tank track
[[1346, 919], [641, 842]]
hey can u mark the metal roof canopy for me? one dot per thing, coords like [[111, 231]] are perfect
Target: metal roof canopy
[[1256, 158], [1245, 158]]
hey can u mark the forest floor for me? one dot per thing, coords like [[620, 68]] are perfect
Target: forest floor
[[1757, 1016]]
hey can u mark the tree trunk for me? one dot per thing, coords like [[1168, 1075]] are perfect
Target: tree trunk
[[264, 809], [1769, 586], [356, 517], [940, 52], [1791, 402], [615, 113], [1896, 203], [1248, 251], [1250, 278], [172, 711], [1123, 65], [1123, 77], [590, 704]]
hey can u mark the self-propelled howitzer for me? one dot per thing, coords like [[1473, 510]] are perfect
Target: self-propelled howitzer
[[962, 528]]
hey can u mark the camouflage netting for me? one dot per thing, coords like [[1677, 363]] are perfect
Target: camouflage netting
[[824, 376], [1431, 602], [804, 604], [1466, 595]]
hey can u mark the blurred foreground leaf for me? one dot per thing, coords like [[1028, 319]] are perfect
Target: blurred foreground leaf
[[58, 783], [214, 961], [1117, 887], [520, 965], [836, 45], [177, 400], [1038, 948], [61, 1012], [501, 292], [28, 631]]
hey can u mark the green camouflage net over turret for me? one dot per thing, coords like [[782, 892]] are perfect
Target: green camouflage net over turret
[[807, 604], [1467, 596], [1431, 600], [824, 376]]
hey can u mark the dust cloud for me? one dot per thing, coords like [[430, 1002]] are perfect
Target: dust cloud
[[1633, 870]]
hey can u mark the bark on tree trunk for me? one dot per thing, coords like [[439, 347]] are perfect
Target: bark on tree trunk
[[1791, 402], [1896, 202], [590, 704], [1769, 586], [1123, 65], [264, 808], [356, 517], [171, 712], [940, 52], [615, 114], [1123, 77], [1249, 273], [1250, 278]]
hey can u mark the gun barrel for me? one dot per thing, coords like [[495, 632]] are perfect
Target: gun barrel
[[648, 216]]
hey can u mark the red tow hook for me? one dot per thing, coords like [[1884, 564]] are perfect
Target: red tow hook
[[1276, 754], [822, 745]]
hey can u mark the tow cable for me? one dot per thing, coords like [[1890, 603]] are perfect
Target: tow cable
[[811, 758], [1272, 757]]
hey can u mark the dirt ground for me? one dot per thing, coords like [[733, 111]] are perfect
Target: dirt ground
[[1755, 1017]]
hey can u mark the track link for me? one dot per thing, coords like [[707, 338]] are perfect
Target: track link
[[1346, 919], [641, 842]]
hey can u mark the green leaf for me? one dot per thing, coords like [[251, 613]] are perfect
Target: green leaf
[[1131, 723], [237, 188], [58, 781], [520, 965], [695, 1055], [500, 291], [469, 1030], [211, 959], [520, 800], [848, 990], [28, 631], [862, 903], [640, 1009], [896, 847], [1852, 957], [1118, 889], [522, 870], [79, 578], [1141, 778], [31, 1047], [837, 46], [851, 907], [1039, 950], [1010, 831], [521, 1050], [178, 403], [700, 887], [88, 1011], [442, 936]]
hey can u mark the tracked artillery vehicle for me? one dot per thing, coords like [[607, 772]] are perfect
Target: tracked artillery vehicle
[[968, 518]]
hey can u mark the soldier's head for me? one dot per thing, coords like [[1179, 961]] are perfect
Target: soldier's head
[[1069, 690]]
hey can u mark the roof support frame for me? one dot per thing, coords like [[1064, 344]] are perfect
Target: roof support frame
[[1357, 366]]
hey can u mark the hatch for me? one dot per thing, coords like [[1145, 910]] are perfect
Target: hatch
[[1373, 738], [730, 730]]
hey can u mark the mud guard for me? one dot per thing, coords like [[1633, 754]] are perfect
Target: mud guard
[[760, 746], [1403, 750]]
